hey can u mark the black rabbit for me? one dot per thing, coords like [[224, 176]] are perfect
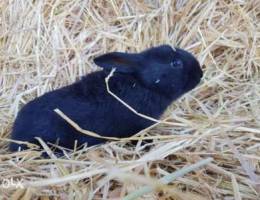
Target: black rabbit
[[148, 81]]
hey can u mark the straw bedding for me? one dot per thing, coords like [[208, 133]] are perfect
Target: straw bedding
[[48, 44]]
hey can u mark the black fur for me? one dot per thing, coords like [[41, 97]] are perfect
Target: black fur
[[148, 81]]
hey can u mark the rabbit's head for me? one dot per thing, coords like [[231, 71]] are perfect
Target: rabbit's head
[[163, 69]]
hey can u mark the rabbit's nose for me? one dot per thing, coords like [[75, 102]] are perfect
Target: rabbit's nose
[[201, 74]]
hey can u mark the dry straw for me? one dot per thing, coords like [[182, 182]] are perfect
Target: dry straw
[[48, 44]]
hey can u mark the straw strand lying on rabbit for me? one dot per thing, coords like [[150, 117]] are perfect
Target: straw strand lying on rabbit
[[148, 81]]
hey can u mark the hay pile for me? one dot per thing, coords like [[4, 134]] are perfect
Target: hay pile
[[48, 44]]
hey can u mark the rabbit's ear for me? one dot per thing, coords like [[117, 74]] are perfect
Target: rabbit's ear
[[123, 62]]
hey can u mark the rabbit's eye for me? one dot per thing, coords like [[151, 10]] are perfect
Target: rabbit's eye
[[157, 81], [176, 64]]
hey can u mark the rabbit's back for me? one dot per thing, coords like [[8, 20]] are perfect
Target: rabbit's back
[[88, 103]]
